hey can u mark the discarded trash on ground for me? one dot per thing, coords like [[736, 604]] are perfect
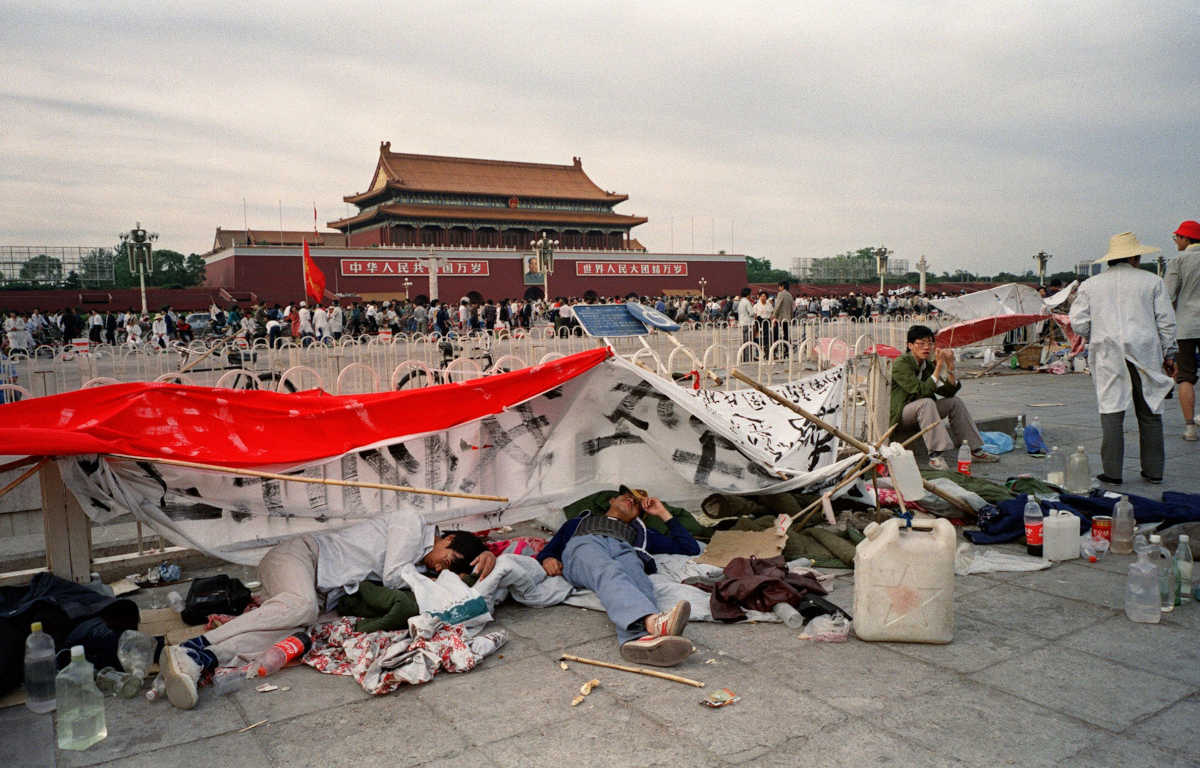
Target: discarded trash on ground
[[721, 698], [589, 686], [266, 688], [827, 629], [563, 665]]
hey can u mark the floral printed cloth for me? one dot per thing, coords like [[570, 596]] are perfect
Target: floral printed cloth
[[382, 661]]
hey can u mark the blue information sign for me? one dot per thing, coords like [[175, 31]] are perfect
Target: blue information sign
[[652, 317], [610, 320]]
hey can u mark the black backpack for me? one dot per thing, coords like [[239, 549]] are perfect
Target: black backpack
[[215, 594]]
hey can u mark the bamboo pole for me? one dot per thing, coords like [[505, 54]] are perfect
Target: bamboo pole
[[636, 670], [862, 469], [302, 479], [18, 463], [24, 476], [224, 343]]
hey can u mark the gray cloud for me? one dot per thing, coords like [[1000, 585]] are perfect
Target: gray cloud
[[974, 133]]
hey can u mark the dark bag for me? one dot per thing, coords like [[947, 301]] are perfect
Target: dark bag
[[215, 594]]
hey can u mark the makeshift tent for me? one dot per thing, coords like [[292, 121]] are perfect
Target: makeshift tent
[[1007, 299], [539, 437], [971, 331]]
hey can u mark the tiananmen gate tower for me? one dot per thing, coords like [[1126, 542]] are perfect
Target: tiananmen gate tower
[[480, 217]]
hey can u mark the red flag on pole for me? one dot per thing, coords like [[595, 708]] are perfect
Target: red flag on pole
[[314, 278]]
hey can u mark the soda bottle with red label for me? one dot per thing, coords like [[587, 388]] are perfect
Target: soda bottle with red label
[[1033, 528], [964, 459], [287, 649]]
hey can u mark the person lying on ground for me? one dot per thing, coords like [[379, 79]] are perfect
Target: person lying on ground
[[610, 551], [920, 377], [310, 573]]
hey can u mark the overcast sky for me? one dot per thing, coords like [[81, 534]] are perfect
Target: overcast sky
[[974, 133]]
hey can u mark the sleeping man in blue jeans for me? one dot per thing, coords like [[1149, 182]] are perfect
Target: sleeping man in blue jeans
[[610, 552]]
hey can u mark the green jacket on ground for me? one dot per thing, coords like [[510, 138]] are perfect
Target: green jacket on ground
[[913, 380]]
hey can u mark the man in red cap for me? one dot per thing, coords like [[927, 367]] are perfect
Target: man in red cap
[[1183, 287]]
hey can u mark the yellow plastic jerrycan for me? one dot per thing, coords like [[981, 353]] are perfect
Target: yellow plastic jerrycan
[[904, 582]]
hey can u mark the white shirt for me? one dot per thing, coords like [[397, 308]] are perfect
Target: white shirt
[[320, 321], [745, 313], [1132, 321], [565, 311], [336, 319], [306, 320], [762, 310], [375, 549]]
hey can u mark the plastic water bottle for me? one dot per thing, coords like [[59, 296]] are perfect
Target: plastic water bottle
[[278, 655], [1122, 528], [1056, 468], [80, 704], [40, 669], [1034, 525], [1165, 563], [790, 616], [227, 681], [158, 691], [176, 602], [135, 651], [1183, 570], [1019, 431], [1079, 472], [964, 459], [1142, 602]]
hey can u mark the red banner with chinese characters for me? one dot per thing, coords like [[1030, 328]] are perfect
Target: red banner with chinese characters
[[403, 267], [631, 269]]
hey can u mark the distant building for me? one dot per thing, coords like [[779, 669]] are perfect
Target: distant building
[[480, 215], [844, 269], [1087, 269]]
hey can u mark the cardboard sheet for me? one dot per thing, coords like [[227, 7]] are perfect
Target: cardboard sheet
[[726, 545]]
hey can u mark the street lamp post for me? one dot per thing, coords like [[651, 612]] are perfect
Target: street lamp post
[[433, 265], [1042, 259], [137, 243], [1162, 265], [703, 283], [881, 259], [543, 249], [922, 266], [407, 286]]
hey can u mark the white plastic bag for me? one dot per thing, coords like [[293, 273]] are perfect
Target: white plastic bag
[[448, 599]]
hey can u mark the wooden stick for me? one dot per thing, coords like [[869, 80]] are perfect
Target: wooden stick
[[18, 463], [302, 479], [808, 511], [25, 476], [224, 343], [248, 727], [825, 425], [637, 670]]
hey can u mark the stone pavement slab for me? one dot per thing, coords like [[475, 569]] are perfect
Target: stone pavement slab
[[1088, 687]]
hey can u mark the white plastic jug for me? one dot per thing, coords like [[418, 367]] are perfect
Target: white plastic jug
[[1060, 536], [906, 476], [904, 582]]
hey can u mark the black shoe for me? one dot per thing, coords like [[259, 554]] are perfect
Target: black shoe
[[1154, 480], [1108, 480]]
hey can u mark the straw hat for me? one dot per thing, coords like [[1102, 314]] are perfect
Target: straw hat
[[1125, 246]]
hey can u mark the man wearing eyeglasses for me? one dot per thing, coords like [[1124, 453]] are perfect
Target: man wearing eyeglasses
[[924, 391], [609, 550]]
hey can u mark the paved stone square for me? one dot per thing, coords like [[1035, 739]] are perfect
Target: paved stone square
[[1045, 670]]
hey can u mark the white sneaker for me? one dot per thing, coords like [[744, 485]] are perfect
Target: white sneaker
[[181, 674], [1189, 433], [671, 622], [938, 463]]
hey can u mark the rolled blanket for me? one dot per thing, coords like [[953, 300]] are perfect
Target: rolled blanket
[[841, 548], [721, 505]]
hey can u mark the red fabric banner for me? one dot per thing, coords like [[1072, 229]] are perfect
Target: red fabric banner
[[248, 428], [314, 278]]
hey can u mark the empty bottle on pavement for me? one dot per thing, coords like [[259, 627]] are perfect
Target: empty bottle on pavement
[[1142, 600], [1183, 570], [1165, 563], [80, 704], [40, 670], [1056, 468], [1122, 528], [278, 655], [1079, 472]]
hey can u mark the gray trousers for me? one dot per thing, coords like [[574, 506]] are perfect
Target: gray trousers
[[288, 573], [1150, 435], [612, 569], [921, 413]]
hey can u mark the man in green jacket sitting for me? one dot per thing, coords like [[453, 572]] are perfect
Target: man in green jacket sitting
[[919, 378]]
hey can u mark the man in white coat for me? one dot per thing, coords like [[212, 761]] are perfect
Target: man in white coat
[[1127, 319]]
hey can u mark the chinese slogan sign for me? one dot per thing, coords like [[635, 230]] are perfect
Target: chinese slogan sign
[[631, 268], [384, 267]]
